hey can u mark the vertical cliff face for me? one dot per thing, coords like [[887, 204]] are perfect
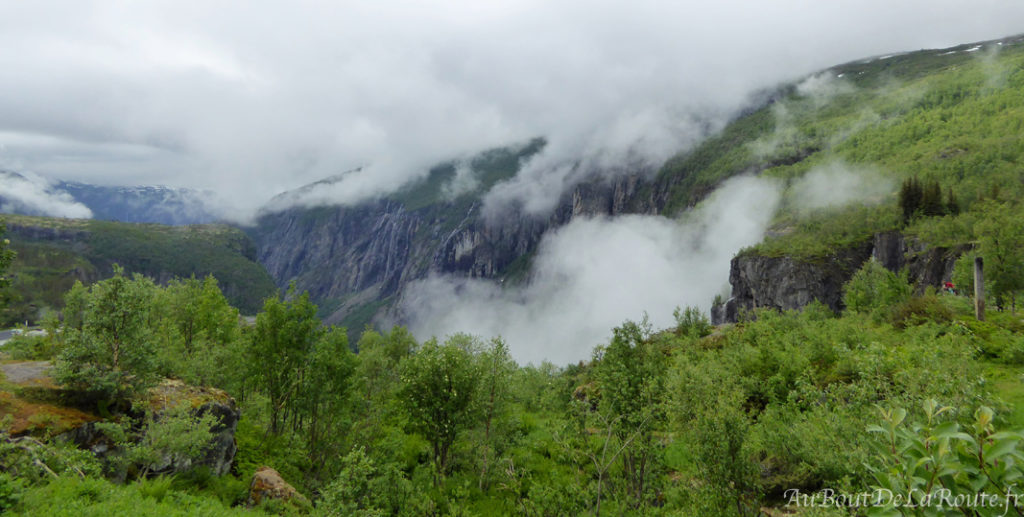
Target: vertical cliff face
[[785, 283], [357, 259], [332, 253], [926, 265]]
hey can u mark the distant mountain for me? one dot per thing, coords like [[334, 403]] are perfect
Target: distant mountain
[[29, 194], [143, 204]]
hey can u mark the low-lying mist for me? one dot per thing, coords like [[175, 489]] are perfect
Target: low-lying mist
[[591, 274], [837, 184], [27, 193]]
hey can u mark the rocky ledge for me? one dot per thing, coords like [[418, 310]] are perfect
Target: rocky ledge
[[786, 283]]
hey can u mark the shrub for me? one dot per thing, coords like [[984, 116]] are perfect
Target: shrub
[[874, 289], [32, 348], [11, 491], [691, 322], [921, 309], [933, 456]]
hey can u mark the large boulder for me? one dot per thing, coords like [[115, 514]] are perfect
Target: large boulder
[[267, 483], [219, 453]]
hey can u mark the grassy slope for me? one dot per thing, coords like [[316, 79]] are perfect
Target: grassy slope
[[45, 268], [952, 117], [958, 125]]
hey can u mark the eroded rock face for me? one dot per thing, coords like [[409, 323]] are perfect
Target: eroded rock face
[[926, 266], [219, 453], [786, 283], [267, 483], [369, 252]]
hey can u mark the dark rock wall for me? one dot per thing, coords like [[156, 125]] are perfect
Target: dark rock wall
[[369, 252], [785, 283]]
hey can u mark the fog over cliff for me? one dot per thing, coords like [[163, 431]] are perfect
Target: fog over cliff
[[251, 99], [594, 273]]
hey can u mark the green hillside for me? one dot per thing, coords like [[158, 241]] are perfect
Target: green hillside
[[952, 116], [53, 253]]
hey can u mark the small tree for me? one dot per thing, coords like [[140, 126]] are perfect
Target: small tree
[[691, 322], [177, 437], [874, 289], [365, 488], [631, 374], [910, 197], [109, 338], [6, 256], [200, 313], [952, 204], [284, 337], [931, 200], [1001, 242], [439, 383], [925, 199], [202, 331], [496, 368], [376, 414], [323, 395]]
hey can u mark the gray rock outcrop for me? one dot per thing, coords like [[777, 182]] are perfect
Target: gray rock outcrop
[[785, 283]]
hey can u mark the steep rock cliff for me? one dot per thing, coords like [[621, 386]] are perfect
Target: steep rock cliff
[[785, 283], [355, 260]]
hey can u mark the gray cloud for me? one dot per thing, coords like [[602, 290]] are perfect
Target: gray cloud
[[593, 273], [252, 99], [837, 184], [28, 193]]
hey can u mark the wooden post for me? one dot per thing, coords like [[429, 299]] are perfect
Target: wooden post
[[979, 290]]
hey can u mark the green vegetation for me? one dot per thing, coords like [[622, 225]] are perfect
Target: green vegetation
[[54, 253], [6, 256], [484, 170], [874, 289], [110, 338], [945, 124], [687, 421]]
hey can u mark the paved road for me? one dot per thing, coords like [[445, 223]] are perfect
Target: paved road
[[6, 334], [26, 371]]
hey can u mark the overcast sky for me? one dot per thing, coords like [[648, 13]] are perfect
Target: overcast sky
[[251, 98]]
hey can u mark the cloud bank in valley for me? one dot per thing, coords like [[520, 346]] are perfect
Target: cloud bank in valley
[[593, 273], [252, 99]]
